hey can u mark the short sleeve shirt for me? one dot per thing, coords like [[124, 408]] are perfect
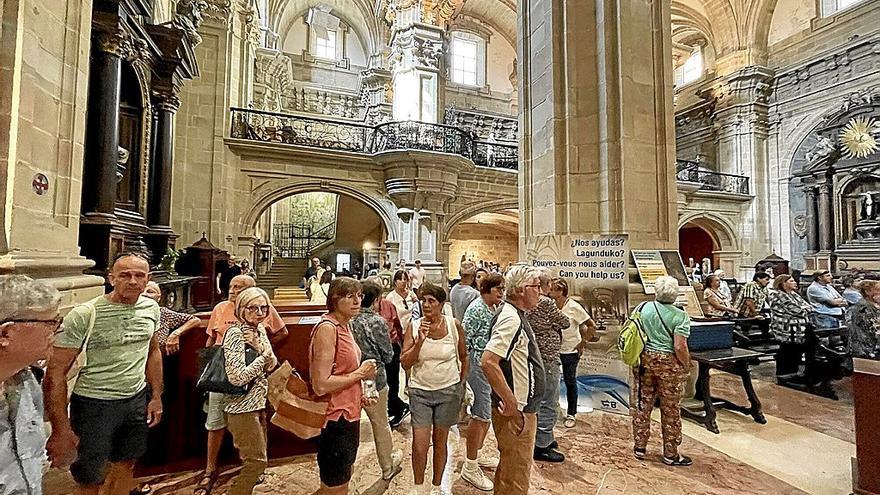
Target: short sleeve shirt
[[659, 339], [513, 341], [461, 297], [571, 336], [223, 317], [117, 351], [22, 436], [477, 323]]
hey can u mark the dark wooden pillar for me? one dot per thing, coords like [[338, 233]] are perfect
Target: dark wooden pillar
[[159, 193], [102, 131]]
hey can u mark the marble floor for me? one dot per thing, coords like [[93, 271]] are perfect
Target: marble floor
[[805, 448]]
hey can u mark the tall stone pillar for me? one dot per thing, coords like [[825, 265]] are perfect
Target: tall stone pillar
[[102, 145], [826, 218], [812, 220], [418, 30], [742, 129], [597, 148], [43, 124]]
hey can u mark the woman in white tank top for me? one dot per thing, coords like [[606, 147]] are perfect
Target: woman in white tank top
[[435, 355]]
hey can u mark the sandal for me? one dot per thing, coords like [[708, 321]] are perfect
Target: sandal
[[639, 453], [206, 484], [682, 460]]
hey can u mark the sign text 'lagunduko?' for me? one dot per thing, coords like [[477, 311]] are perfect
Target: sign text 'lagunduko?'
[[591, 259]]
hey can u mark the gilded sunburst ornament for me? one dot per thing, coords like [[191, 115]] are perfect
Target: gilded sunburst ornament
[[857, 137]]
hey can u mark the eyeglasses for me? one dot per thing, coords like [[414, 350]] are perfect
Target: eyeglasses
[[55, 323], [258, 309], [532, 286]]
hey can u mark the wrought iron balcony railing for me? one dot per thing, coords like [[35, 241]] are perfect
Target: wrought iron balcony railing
[[710, 180], [359, 138]]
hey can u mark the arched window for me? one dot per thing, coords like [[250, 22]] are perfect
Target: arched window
[[691, 69]]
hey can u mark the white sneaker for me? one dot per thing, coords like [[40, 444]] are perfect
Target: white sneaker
[[477, 478], [436, 490], [487, 461], [570, 421]]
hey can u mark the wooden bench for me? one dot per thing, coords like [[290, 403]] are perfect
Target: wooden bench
[[735, 361], [179, 442]]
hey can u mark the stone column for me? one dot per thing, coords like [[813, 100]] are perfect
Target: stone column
[[418, 35], [598, 145], [742, 129], [826, 218], [812, 220], [102, 139]]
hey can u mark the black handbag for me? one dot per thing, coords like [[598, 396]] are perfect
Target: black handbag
[[213, 376]]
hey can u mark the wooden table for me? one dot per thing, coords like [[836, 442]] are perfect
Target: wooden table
[[735, 361]]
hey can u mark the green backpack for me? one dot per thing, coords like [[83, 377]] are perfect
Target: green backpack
[[632, 338]]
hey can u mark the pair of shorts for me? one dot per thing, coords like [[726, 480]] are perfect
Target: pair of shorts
[[337, 450], [215, 409], [108, 431], [438, 408], [481, 409]]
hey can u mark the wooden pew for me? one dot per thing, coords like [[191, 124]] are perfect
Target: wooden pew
[[178, 443]]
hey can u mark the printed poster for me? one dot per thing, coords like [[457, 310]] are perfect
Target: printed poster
[[595, 268]]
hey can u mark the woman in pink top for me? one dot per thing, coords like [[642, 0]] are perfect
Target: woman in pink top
[[335, 368]]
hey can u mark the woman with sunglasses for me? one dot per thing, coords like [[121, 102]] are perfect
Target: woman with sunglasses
[[246, 414], [336, 370]]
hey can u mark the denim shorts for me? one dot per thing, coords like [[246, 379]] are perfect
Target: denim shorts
[[216, 416], [438, 408], [481, 409]]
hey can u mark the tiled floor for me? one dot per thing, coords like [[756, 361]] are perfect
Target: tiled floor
[[804, 448]]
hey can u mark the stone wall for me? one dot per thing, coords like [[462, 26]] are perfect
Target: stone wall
[[44, 64], [481, 242]]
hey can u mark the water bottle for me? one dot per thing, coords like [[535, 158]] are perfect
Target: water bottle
[[370, 391]]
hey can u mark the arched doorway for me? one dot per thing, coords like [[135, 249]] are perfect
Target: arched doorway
[[696, 245], [490, 237], [347, 234]]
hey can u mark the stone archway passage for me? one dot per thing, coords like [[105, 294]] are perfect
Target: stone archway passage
[[491, 237], [697, 244], [710, 236]]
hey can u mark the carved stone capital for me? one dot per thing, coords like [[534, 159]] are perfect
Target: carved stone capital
[[115, 42], [217, 13], [167, 101]]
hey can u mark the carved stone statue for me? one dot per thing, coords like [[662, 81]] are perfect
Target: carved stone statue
[[869, 205], [121, 161], [188, 18], [820, 151]]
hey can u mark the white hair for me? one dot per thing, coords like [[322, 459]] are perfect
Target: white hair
[[544, 275], [22, 295], [517, 276], [719, 272], [467, 268], [666, 289]]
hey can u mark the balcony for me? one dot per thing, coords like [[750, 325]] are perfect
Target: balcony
[[360, 138], [708, 180]]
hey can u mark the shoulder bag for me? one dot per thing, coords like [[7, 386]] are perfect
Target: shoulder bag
[[300, 410], [213, 377]]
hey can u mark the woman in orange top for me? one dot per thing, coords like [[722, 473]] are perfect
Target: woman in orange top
[[335, 369]]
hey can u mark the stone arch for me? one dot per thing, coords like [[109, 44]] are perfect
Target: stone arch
[[382, 206], [357, 13], [719, 229], [475, 209]]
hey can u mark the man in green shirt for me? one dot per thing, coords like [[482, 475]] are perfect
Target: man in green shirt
[[118, 392]]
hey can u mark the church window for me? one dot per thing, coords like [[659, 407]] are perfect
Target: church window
[[325, 45], [691, 70]]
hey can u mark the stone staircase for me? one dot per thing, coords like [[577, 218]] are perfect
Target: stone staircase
[[285, 272]]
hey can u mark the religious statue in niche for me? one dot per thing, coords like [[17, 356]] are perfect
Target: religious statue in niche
[[121, 162]]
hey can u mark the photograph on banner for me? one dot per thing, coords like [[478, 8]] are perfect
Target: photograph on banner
[[595, 268], [653, 263]]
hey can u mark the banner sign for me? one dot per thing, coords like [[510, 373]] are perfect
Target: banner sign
[[595, 268], [653, 263]]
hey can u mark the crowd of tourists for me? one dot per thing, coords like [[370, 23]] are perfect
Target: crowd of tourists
[[500, 344]]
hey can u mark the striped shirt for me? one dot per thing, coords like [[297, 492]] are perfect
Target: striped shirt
[[240, 374]]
